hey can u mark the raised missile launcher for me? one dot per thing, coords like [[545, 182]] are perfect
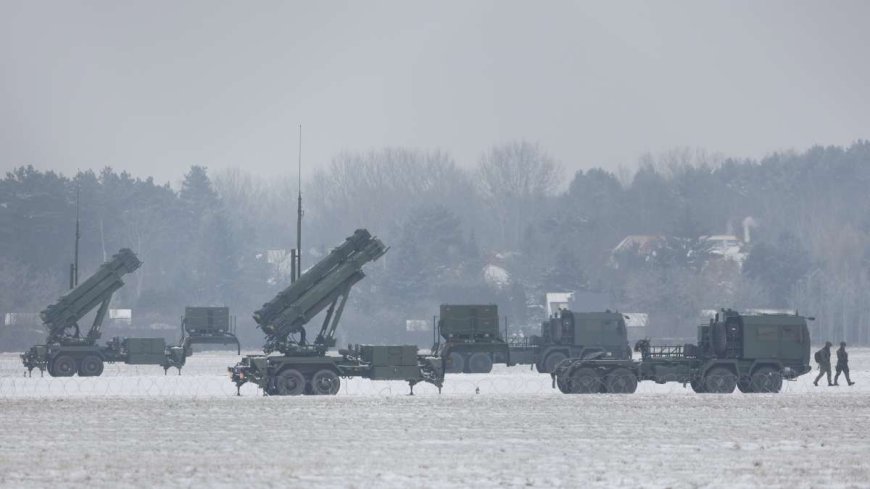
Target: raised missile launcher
[[293, 365], [67, 351]]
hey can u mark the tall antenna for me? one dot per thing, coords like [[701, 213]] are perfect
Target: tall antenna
[[74, 267], [299, 212]]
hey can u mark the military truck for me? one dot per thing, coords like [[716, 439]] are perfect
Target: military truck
[[570, 334], [468, 338], [293, 365], [67, 351], [753, 353], [470, 341]]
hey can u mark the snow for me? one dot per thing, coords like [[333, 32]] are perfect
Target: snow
[[496, 276], [133, 427]]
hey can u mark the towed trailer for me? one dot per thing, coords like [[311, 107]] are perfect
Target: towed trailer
[[293, 365], [67, 351]]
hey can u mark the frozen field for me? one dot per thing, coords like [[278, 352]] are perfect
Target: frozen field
[[133, 427]]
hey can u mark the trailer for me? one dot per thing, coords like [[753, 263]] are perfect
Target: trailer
[[293, 365], [753, 353], [67, 351]]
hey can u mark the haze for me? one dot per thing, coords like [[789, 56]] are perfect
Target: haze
[[154, 87]]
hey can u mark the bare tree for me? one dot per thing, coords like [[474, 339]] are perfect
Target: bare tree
[[514, 179]]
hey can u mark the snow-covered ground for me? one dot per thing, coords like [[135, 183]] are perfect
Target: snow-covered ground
[[135, 427]]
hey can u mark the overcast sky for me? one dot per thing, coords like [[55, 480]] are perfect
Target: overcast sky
[[153, 87]]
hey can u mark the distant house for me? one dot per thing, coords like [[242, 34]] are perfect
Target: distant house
[[726, 246], [636, 325], [642, 246]]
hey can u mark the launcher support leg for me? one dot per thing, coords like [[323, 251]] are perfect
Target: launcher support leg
[[411, 384]]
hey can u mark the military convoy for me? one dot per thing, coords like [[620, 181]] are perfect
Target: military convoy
[[753, 353], [585, 352], [300, 366]]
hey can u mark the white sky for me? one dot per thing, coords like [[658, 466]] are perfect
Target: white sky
[[153, 87]]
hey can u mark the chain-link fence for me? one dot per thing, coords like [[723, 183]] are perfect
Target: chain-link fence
[[205, 377]]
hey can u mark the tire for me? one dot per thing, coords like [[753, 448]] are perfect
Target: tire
[[91, 366], [766, 380], [620, 381], [63, 366], [325, 383], [563, 384], [552, 360], [480, 363], [289, 382], [744, 385], [584, 381], [698, 386], [720, 380], [455, 363]]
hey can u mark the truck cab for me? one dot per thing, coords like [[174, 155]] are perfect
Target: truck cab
[[570, 334]]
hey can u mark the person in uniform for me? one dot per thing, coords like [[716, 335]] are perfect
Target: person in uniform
[[824, 359], [842, 364]]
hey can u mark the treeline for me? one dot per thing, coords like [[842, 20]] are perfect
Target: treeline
[[505, 231]]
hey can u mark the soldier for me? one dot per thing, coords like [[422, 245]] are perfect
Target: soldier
[[823, 356], [842, 364]]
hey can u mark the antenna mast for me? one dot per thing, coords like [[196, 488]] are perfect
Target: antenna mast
[[74, 267], [299, 212]]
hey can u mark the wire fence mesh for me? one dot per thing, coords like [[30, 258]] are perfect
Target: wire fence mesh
[[205, 377]]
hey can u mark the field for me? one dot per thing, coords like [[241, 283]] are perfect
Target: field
[[133, 427]]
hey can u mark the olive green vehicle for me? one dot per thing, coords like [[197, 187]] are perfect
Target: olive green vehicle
[[571, 334], [293, 365], [470, 340], [68, 351], [753, 353]]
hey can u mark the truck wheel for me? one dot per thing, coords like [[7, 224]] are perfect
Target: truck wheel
[[720, 380], [552, 360], [584, 381], [744, 385], [63, 366], [621, 381], [290, 382], [455, 363], [325, 383], [480, 363], [697, 386], [91, 366], [563, 384], [766, 379]]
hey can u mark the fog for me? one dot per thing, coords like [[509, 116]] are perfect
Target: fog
[[154, 87]]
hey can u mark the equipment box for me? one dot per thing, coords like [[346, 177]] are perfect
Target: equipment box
[[206, 319], [145, 351], [395, 373], [389, 356]]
